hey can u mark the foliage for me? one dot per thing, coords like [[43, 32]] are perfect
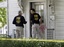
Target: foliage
[[2, 17], [2, 0], [20, 43]]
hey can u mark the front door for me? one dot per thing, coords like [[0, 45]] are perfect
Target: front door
[[39, 7]]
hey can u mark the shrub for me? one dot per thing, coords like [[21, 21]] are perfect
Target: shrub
[[2, 0], [31, 43], [2, 17]]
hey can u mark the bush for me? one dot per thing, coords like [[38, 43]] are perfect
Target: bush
[[31, 43], [3, 19], [2, 0]]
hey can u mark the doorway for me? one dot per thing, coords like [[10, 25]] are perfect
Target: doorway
[[39, 7]]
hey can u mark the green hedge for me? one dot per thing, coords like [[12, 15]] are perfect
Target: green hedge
[[3, 13], [2, 0], [31, 43]]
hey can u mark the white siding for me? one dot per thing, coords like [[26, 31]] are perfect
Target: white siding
[[13, 9], [59, 11]]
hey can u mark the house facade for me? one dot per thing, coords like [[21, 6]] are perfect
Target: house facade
[[52, 13]]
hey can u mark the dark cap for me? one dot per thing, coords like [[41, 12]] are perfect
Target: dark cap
[[19, 11]]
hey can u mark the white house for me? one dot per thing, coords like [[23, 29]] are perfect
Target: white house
[[53, 16]]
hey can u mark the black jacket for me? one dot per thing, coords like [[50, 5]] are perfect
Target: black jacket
[[19, 21], [35, 18]]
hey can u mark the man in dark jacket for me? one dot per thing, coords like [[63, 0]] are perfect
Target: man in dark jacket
[[19, 20], [35, 17]]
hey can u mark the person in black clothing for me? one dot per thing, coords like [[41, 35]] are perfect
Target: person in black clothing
[[35, 17], [18, 21]]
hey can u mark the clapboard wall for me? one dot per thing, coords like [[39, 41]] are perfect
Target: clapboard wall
[[59, 17]]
